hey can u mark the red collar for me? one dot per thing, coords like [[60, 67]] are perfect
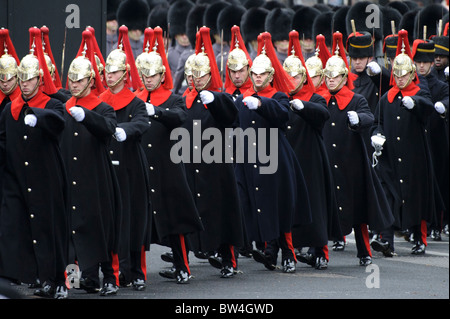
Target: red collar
[[89, 102], [343, 97], [191, 95], [156, 97], [39, 101], [304, 94], [268, 92], [410, 90], [118, 100], [231, 87]]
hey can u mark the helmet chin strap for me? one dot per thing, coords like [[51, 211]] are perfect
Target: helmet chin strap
[[299, 85], [112, 86], [36, 87], [83, 90], [157, 84], [264, 84], [334, 89], [204, 86], [411, 77], [12, 87]]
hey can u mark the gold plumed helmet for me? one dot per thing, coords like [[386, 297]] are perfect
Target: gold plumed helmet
[[116, 60], [237, 59], [335, 66], [403, 64], [188, 65], [293, 65], [150, 63], [29, 66], [314, 65], [8, 67], [200, 64], [50, 66], [262, 64], [80, 68]]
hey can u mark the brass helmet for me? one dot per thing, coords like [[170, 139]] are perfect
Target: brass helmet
[[262, 64], [116, 61], [150, 63], [29, 67], [335, 66], [188, 65], [314, 65], [200, 64], [80, 68], [403, 64], [293, 65], [8, 67], [237, 59]]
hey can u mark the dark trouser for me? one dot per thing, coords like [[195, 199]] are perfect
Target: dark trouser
[[109, 269], [284, 242], [180, 252], [362, 240], [319, 252], [134, 267], [227, 253]]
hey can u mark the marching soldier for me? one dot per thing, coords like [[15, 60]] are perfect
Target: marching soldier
[[360, 197], [437, 127], [34, 181], [131, 165], [95, 200], [307, 116], [9, 83], [212, 183], [174, 212], [270, 216], [404, 166]]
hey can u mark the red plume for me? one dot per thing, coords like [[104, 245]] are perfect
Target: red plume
[[281, 80], [204, 41], [159, 41], [324, 54], [339, 45], [36, 39], [294, 45], [236, 39], [47, 49], [5, 42], [148, 38], [87, 39], [133, 74]]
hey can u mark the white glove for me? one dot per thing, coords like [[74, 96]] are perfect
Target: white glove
[[207, 97], [353, 117], [439, 107], [150, 109], [408, 102], [446, 71], [373, 68], [251, 102], [120, 134], [77, 113], [297, 104], [30, 120]]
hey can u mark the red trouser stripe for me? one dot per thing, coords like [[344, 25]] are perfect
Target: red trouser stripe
[[365, 235], [423, 231], [115, 266], [143, 262], [325, 251], [288, 237], [183, 250], [233, 257]]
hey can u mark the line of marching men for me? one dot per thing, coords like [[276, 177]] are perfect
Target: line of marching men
[[88, 175]]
